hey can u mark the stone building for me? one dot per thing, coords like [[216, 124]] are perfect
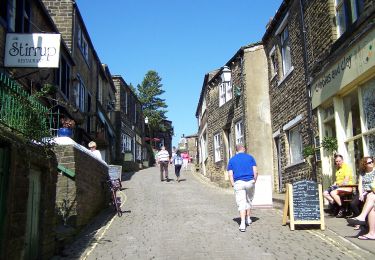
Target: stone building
[[234, 108], [129, 125], [319, 70], [88, 79], [289, 96], [28, 168], [189, 143], [342, 70]]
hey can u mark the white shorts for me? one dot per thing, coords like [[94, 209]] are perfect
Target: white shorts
[[244, 191]]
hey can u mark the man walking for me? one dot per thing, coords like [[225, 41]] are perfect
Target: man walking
[[162, 158], [243, 174]]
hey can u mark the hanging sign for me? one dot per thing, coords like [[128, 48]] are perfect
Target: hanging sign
[[36, 50]]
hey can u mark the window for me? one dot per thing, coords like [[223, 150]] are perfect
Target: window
[[225, 92], [203, 145], [138, 152], [80, 95], [285, 51], [295, 145], [217, 147], [273, 61], [126, 102], [347, 12], [64, 77], [126, 144], [16, 13], [100, 89], [239, 132], [82, 44]]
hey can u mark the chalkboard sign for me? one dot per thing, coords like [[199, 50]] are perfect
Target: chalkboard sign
[[306, 201], [304, 204]]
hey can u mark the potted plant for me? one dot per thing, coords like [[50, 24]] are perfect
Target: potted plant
[[67, 125]]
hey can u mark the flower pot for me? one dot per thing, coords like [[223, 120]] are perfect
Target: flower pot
[[67, 132]]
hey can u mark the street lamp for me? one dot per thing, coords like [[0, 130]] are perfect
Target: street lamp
[[149, 132]]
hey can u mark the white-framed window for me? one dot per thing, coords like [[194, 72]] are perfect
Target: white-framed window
[[80, 95], [217, 148], [203, 146], [285, 50], [225, 92], [221, 94], [273, 61], [295, 144], [239, 132], [347, 12], [82, 44], [126, 143]]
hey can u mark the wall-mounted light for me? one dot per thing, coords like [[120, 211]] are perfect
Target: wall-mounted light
[[237, 90], [226, 74]]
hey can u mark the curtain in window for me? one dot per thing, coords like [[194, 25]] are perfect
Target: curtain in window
[[285, 51], [295, 145]]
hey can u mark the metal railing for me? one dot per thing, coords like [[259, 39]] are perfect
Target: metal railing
[[21, 111]]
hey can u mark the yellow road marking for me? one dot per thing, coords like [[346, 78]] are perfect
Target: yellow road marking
[[106, 227]]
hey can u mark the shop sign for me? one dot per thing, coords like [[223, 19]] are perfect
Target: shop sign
[[36, 50], [356, 61]]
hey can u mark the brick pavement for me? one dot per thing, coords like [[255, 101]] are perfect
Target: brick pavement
[[194, 219]]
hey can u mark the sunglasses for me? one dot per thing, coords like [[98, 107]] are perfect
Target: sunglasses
[[370, 162]]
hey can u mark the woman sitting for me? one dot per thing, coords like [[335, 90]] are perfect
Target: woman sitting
[[364, 184]]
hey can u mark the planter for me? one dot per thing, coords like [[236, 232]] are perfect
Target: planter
[[67, 132]]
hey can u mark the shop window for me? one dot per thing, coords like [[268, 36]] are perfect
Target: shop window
[[295, 145], [368, 101], [351, 115], [347, 12], [126, 143]]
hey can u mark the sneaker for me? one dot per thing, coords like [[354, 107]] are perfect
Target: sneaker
[[248, 221], [242, 227]]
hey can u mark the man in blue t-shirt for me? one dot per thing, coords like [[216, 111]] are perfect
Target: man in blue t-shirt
[[243, 174]]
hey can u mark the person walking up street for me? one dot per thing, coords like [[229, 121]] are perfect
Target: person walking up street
[[177, 161], [162, 158], [185, 159], [243, 175]]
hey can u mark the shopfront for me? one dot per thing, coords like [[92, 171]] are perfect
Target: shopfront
[[344, 98]]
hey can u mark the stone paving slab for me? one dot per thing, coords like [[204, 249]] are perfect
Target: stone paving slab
[[194, 219]]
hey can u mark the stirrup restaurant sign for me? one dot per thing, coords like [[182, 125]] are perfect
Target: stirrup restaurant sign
[[37, 50]]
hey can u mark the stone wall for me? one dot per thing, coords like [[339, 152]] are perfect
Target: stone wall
[[86, 194], [25, 158]]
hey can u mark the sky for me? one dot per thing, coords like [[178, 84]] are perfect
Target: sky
[[181, 40]]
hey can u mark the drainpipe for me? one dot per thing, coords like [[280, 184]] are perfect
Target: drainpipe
[[243, 98], [308, 85]]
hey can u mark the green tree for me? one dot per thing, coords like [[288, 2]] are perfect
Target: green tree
[[133, 89], [153, 106]]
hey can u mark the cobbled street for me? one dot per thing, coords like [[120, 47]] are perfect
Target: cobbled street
[[195, 220]]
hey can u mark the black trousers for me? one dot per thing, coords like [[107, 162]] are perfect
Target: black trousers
[[177, 169], [163, 169], [356, 205]]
